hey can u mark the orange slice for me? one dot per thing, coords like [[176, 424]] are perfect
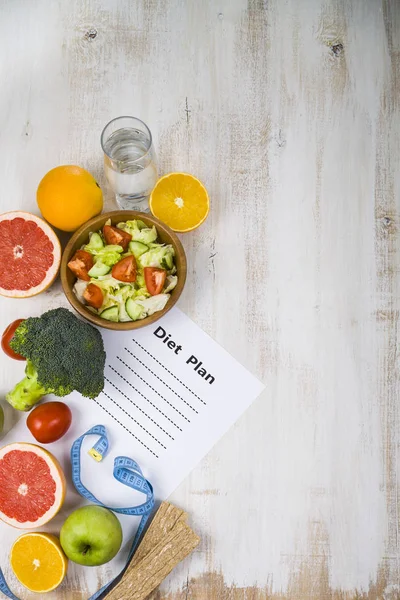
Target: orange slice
[[181, 201], [38, 561]]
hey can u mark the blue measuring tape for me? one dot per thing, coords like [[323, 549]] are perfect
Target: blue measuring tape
[[126, 471]]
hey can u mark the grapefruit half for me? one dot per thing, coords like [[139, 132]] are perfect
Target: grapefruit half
[[32, 485], [30, 255]]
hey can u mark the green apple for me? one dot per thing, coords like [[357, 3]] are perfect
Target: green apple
[[91, 536]]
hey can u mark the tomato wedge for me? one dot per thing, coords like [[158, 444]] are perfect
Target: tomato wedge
[[7, 337], [93, 295], [125, 270], [86, 257], [155, 279], [116, 236], [80, 264]]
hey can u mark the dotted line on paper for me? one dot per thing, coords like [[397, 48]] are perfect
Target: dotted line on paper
[[138, 407], [122, 425], [170, 372], [137, 422], [158, 393], [143, 396]]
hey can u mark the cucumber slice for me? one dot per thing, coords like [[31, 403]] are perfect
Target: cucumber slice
[[99, 269], [96, 242], [123, 315], [137, 248], [167, 261], [133, 309], [111, 314]]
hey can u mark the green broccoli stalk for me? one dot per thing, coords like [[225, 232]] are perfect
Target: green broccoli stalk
[[63, 354]]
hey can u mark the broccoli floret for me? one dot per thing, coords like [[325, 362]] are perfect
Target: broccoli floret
[[63, 354]]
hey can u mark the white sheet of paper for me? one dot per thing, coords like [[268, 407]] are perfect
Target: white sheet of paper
[[171, 392]]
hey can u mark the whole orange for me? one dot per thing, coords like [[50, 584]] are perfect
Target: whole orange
[[68, 196]]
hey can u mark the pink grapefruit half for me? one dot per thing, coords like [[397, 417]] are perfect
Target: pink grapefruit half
[[30, 255], [32, 485]]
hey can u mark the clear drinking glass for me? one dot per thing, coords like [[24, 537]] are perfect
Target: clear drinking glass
[[130, 161]]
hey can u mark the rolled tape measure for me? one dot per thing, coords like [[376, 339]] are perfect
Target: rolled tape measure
[[127, 472]]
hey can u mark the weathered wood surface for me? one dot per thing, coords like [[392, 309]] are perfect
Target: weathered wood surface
[[288, 110]]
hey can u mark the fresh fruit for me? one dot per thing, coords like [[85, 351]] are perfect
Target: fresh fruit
[[115, 236], [68, 196], [32, 485], [7, 336], [125, 269], [93, 295], [30, 255], [49, 422], [180, 200], [91, 536], [80, 264], [154, 279], [38, 561]]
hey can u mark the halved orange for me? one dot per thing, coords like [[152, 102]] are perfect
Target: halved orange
[[181, 201], [38, 561]]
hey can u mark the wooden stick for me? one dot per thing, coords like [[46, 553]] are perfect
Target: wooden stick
[[168, 540]]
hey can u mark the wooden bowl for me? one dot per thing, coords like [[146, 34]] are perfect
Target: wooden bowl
[[81, 237]]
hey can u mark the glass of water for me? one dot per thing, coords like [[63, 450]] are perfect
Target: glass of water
[[130, 161]]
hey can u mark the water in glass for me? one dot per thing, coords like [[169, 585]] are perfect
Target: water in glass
[[130, 167]]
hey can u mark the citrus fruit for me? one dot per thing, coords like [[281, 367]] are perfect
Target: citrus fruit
[[68, 196], [30, 255], [180, 200], [38, 561], [32, 485]]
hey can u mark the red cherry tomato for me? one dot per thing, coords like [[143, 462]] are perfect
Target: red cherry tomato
[[154, 279], [7, 337], [125, 270], [116, 236], [93, 295], [49, 422]]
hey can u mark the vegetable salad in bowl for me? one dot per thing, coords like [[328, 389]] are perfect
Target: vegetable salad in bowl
[[123, 273]]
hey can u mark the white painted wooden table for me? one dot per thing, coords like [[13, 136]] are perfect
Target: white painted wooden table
[[289, 111]]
